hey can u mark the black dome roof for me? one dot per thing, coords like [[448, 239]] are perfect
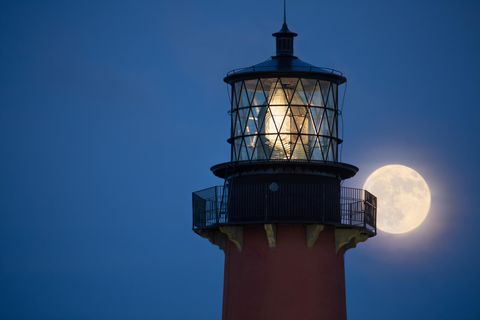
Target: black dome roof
[[288, 66], [285, 64]]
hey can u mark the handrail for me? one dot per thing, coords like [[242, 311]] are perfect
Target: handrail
[[357, 209], [297, 68]]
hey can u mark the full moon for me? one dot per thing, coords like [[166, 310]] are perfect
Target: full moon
[[403, 198]]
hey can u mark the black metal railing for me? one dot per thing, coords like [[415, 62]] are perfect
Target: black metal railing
[[209, 207], [358, 209]]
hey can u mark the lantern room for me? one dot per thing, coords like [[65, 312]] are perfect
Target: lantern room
[[284, 108], [286, 118]]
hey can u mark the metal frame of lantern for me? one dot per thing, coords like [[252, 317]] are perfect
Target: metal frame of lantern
[[284, 118]]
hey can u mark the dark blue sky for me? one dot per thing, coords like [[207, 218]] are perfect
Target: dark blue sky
[[112, 112]]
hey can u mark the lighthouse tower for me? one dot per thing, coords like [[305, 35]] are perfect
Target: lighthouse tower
[[282, 216]]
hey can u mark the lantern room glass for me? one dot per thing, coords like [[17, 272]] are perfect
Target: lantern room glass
[[284, 119]]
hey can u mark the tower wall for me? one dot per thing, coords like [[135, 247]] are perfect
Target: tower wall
[[283, 198], [287, 281]]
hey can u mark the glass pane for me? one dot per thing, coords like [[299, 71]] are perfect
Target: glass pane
[[317, 98], [283, 119], [311, 123], [278, 152], [260, 149], [316, 152], [324, 126], [259, 98], [237, 88], [300, 96], [258, 114], [330, 118], [236, 146], [251, 127], [335, 95], [277, 95], [324, 145], [308, 126], [250, 143], [274, 119], [268, 143], [234, 151], [280, 118], [325, 86], [250, 86], [268, 86], [299, 117], [317, 115], [309, 88], [244, 101], [299, 152], [243, 151], [333, 151], [331, 98], [309, 147], [330, 151], [288, 85], [238, 129], [242, 116], [333, 124]]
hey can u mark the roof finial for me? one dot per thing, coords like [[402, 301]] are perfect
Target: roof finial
[[284, 36]]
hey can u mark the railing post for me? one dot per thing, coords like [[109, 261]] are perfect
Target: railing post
[[266, 201], [216, 204], [365, 204], [323, 204], [350, 209]]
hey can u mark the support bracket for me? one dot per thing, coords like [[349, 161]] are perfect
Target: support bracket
[[220, 236], [312, 231], [348, 238], [271, 233], [234, 234]]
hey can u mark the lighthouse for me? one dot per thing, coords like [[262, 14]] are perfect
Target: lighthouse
[[283, 217]]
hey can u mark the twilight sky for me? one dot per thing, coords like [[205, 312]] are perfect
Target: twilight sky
[[112, 112]]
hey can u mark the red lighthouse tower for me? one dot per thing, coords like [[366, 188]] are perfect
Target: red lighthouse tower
[[282, 217]]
